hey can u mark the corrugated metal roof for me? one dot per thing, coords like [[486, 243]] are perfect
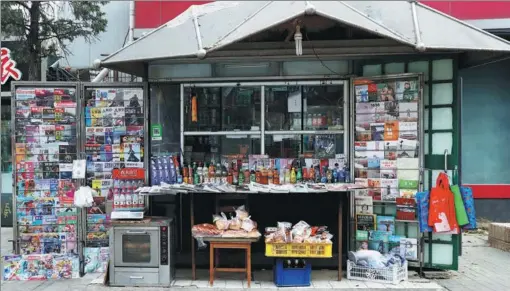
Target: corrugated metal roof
[[208, 27]]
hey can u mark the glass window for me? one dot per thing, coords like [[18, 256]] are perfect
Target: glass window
[[165, 111], [317, 146], [136, 248], [317, 107], [324, 105], [214, 148], [283, 107], [222, 108]]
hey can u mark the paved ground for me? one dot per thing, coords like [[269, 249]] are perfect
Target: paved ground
[[481, 268]]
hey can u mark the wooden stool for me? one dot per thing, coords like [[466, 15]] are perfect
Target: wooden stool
[[230, 245]]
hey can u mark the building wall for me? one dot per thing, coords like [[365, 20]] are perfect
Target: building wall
[[486, 137], [83, 53]]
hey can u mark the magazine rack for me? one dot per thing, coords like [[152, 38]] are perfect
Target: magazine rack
[[388, 160]]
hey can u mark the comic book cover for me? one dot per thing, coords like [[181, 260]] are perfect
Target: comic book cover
[[134, 130], [25, 94], [92, 263], [96, 116], [62, 267], [36, 267], [97, 218], [48, 114], [132, 152], [117, 133], [108, 135], [12, 266], [107, 116], [106, 153], [118, 153]]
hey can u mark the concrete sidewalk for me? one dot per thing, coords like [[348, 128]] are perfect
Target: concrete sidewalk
[[481, 268]]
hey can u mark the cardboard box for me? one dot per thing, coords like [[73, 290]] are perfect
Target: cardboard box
[[500, 231]]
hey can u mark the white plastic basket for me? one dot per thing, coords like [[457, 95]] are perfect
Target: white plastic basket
[[391, 275]]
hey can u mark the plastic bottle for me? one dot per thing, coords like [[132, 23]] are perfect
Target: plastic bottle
[[128, 198], [116, 198], [134, 198], [347, 175], [299, 176], [293, 176], [122, 199], [309, 121]]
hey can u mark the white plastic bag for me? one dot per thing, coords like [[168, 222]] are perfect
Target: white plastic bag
[[83, 197]]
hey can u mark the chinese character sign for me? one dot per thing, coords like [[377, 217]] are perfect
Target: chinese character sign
[[8, 69]]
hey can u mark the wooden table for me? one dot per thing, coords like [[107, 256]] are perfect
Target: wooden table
[[338, 235], [246, 246]]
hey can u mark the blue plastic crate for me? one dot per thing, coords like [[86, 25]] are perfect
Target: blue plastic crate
[[291, 277]]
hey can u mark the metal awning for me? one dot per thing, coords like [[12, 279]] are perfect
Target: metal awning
[[205, 28]]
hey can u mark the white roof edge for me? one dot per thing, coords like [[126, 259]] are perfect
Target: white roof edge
[[373, 21], [464, 23]]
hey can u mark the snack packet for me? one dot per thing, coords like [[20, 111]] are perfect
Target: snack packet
[[241, 213], [221, 221]]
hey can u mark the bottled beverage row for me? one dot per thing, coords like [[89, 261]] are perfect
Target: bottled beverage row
[[236, 174], [125, 197]]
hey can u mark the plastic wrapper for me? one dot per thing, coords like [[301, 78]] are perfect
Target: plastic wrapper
[[248, 224], [205, 230], [284, 225], [221, 221], [235, 224], [241, 213]]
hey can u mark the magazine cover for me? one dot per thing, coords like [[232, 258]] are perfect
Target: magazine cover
[[409, 248], [373, 174], [365, 108], [386, 91], [132, 152], [379, 241], [407, 90], [361, 235], [374, 183], [394, 244], [361, 92], [365, 222], [364, 205], [391, 131], [389, 189], [408, 111], [386, 223], [377, 130]]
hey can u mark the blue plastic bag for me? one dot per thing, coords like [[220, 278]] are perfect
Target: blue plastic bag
[[422, 203]]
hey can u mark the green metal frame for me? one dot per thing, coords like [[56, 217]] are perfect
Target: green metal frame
[[435, 162]]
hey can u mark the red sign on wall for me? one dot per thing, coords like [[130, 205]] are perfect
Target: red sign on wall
[[151, 14], [8, 67]]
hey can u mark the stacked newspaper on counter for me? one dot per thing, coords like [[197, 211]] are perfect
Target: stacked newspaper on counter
[[172, 189]]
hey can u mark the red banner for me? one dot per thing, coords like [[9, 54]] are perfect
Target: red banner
[[151, 14]]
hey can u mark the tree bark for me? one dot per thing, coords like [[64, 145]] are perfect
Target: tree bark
[[34, 44]]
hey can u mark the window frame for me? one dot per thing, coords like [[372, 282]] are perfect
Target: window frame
[[262, 132]]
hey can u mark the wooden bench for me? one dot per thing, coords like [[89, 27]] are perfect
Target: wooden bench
[[217, 245]]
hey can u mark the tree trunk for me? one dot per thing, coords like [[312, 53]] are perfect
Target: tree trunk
[[34, 44]]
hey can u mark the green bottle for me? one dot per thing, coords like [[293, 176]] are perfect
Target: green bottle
[[240, 179], [299, 176]]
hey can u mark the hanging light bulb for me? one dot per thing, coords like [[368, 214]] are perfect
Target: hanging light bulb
[[298, 39]]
